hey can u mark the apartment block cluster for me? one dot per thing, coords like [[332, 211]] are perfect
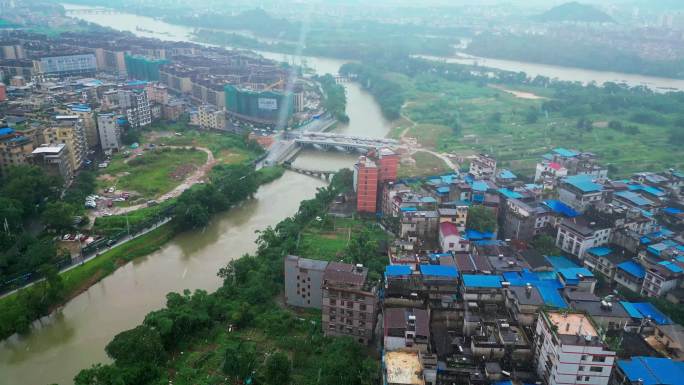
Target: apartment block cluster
[[67, 98], [459, 305]]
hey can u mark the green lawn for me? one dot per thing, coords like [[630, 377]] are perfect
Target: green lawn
[[426, 164], [154, 173], [227, 148], [328, 240]]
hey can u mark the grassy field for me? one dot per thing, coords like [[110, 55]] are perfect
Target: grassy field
[[328, 240], [494, 121], [227, 148], [152, 174], [426, 164]]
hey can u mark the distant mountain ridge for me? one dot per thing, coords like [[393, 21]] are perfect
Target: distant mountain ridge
[[574, 11]]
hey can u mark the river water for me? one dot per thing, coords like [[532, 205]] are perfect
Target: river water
[[75, 337]]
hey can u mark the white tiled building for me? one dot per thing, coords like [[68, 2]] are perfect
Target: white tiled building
[[569, 350]]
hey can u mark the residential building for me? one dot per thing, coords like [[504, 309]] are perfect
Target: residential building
[[69, 130], [388, 164], [66, 65], [607, 315], [605, 259], [211, 118], [482, 166], [669, 340], [406, 329], [136, 107], [110, 132], [648, 371], [549, 174], [523, 221], [577, 235], [630, 274], [450, 238], [87, 117], [55, 160], [569, 350], [15, 149], [580, 192], [661, 278], [366, 185], [304, 281], [350, 304], [3, 92], [456, 213]]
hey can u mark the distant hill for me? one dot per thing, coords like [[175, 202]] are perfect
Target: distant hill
[[574, 12]]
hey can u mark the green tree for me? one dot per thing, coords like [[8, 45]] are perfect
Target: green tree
[[59, 216], [532, 115], [545, 245], [11, 210], [100, 375], [481, 219], [190, 216], [277, 369], [240, 359], [141, 344]]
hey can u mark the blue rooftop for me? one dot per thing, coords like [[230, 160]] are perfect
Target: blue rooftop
[[475, 235], [510, 194], [584, 183], [439, 271], [561, 208], [397, 270], [635, 198], [565, 153], [477, 280], [571, 275], [6, 131], [632, 268], [506, 174], [600, 251], [672, 211], [559, 262], [649, 189], [673, 267], [548, 288], [479, 185], [641, 310], [443, 190], [428, 200], [653, 370]]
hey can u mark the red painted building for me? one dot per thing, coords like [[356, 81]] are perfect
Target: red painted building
[[388, 162], [366, 185], [3, 92]]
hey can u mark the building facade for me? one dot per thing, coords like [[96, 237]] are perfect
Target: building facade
[[109, 131], [366, 185], [304, 281]]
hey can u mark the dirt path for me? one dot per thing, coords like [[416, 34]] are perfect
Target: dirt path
[[414, 149], [190, 181]]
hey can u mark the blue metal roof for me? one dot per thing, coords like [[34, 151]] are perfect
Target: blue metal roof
[[475, 235], [479, 185], [509, 193], [506, 174], [439, 270], [673, 267], [560, 262], [641, 310], [548, 288], [584, 183], [428, 200], [601, 251], [6, 131], [408, 209], [571, 275], [633, 268], [672, 210], [561, 208], [478, 280], [653, 370], [565, 153], [443, 190], [649, 189], [397, 270], [633, 197]]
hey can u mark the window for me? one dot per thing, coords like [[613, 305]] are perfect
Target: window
[[600, 358], [581, 368], [586, 378], [579, 378], [596, 369], [584, 357], [332, 302]]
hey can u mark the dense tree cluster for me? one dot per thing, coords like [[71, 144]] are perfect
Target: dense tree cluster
[[335, 99]]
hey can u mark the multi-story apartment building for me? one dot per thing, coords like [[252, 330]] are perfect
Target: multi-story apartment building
[[482, 166], [55, 160], [68, 129], [366, 185], [87, 117], [576, 235], [304, 281], [523, 220], [569, 350], [135, 105], [388, 165], [456, 213], [406, 329], [66, 65], [15, 149], [581, 191], [211, 118], [349, 304], [110, 133]]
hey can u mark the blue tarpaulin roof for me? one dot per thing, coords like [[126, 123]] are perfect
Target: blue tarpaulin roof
[[439, 271], [548, 288], [397, 270], [443, 190], [673, 267], [633, 197], [478, 280], [565, 152], [561, 208], [641, 310], [479, 185], [571, 275], [672, 210], [633, 268], [601, 251], [560, 262], [475, 235], [407, 209], [506, 174], [6, 131], [510, 194], [653, 370], [584, 183], [649, 189]]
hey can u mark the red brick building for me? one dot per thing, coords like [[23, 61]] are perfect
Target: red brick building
[[3, 92], [366, 174], [388, 162]]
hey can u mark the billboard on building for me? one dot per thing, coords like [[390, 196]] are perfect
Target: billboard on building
[[267, 104]]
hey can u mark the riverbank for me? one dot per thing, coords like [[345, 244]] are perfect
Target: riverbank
[[20, 309]]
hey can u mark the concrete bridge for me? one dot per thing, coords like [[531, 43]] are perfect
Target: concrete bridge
[[323, 174], [328, 140], [92, 11]]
